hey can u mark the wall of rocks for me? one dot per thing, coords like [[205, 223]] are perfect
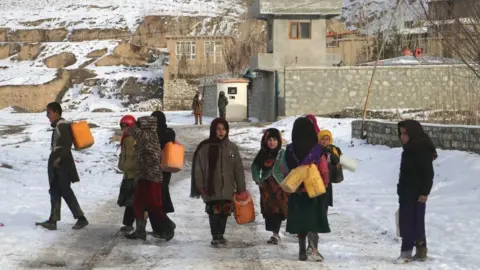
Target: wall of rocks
[[464, 138], [178, 95]]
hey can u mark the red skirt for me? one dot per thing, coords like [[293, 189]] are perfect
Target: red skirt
[[148, 197]]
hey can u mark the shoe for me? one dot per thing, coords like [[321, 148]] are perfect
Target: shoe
[[405, 257], [82, 222], [313, 248], [49, 225], [126, 228], [214, 241], [140, 232], [420, 254], [222, 240], [274, 239]]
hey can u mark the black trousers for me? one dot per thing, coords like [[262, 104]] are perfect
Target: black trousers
[[218, 223], [61, 188], [128, 216], [273, 223]]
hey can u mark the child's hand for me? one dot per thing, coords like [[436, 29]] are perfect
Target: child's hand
[[422, 199]]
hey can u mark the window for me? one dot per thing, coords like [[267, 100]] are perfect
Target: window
[[187, 49], [232, 90], [300, 30], [214, 48]]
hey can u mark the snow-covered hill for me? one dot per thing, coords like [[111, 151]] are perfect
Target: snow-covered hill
[[376, 14], [85, 14]]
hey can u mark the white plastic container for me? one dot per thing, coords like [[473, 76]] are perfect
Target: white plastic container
[[348, 163]]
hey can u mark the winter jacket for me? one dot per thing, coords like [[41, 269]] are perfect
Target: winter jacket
[[61, 152], [229, 176], [197, 105], [416, 167], [277, 171], [222, 101], [128, 160], [147, 150]]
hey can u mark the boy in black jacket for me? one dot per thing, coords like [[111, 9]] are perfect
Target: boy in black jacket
[[414, 185]]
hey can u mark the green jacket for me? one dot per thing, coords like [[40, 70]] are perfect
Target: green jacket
[[278, 170], [229, 176], [222, 102], [128, 162]]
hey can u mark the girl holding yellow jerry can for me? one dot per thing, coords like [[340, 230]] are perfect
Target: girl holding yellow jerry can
[[306, 205]]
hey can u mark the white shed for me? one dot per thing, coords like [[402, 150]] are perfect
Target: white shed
[[236, 92]]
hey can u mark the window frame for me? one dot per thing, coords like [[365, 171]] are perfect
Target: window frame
[[187, 48], [298, 23]]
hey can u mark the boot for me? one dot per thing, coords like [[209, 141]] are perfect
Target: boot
[[214, 241], [222, 225], [302, 252], [313, 243], [140, 232], [169, 231], [214, 229], [82, 222], [48, 224], [405, 257], [421, 251], [126, 228]]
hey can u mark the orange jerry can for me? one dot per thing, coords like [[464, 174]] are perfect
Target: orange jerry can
[[244, 210], [81, 135], [173, 157]]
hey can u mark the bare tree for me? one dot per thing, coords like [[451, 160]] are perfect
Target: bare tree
[[457, 26]]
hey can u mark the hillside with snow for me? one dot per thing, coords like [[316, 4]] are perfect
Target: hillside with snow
[[376, 14], [84, 14]]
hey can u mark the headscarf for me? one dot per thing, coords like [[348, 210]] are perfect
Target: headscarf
[[266, 156], [312, 118], [162, 127], [213, 153], [304, 137], [418, 139], [326, 132]]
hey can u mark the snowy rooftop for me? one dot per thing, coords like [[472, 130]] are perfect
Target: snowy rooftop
[[412, 60]]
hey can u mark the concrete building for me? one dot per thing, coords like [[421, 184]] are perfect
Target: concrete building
[[296, 36]]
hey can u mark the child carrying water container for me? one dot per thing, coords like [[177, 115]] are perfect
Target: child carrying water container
[[332, 153], [414, 185], [127, 163], [217, 174], [306, 214], [266, 172]]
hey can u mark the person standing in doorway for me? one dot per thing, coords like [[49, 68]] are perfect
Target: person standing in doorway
[[222, 105], [62, 171], [197, 107]]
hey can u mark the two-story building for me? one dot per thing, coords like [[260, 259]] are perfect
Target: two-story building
[[296, 36]]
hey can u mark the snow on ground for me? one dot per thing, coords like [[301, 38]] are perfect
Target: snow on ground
[[362, 220], [25, 142], [22, 73], [369, 196], [87, 14]]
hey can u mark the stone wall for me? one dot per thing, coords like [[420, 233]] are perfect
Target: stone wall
[[178, 95], [462, 138], [322, 90], [209, 96]]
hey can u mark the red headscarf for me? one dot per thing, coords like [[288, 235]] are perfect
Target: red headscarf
[[312, 118]]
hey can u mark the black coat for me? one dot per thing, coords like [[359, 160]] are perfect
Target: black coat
[[61, 150], [416, 167], [168, 135]]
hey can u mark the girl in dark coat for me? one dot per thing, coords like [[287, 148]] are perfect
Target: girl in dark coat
[[268, 176], [414, 185], [165, 135], [306, 214]]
